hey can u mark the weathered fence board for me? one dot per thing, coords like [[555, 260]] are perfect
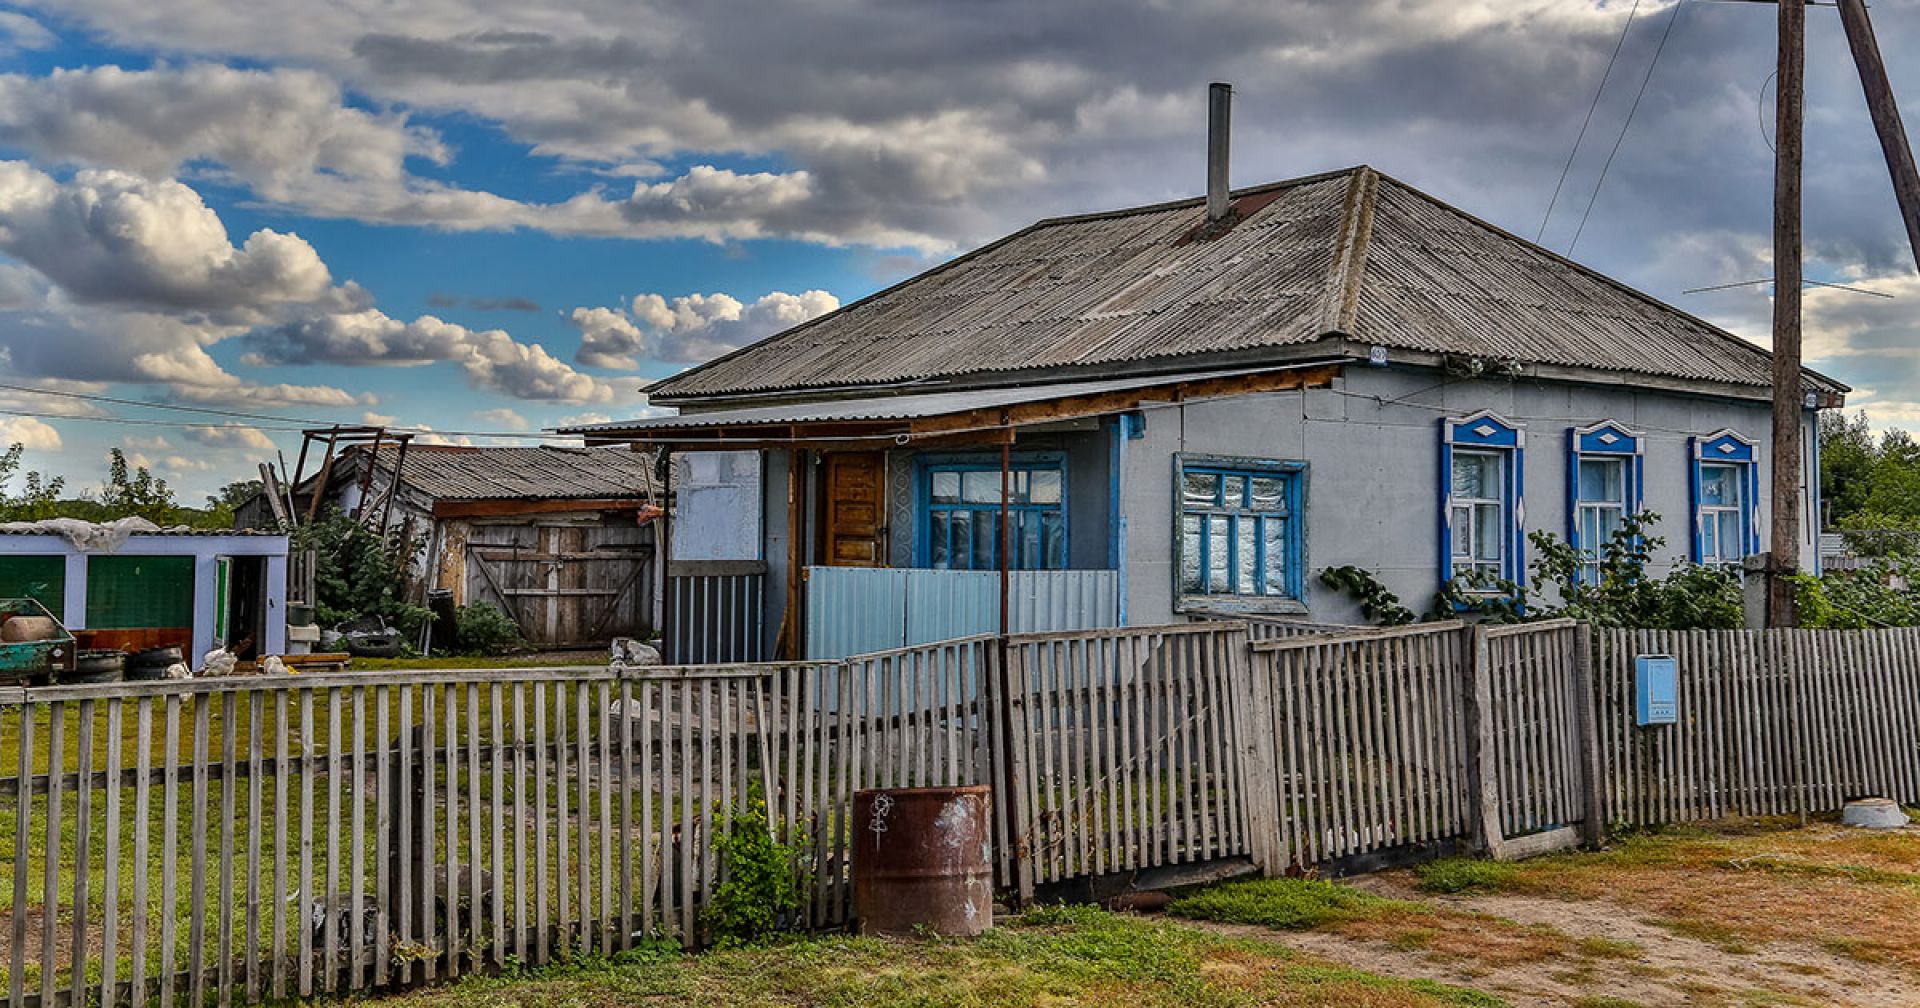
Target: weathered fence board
[[1771, 722], [226, 841]]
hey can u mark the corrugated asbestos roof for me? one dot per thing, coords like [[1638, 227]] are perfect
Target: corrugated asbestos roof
[[450, 472], [900, 407], [1353, 253]]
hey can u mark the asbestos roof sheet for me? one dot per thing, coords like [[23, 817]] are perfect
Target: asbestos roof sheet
[[897, 407], [454, 472], [1353, 254]]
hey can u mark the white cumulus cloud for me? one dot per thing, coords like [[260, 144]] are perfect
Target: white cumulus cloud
[[688, 328]]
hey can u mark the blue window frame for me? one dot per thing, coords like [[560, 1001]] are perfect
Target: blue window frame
[[1605, 480], [1725, 492], [957, 512], [1239, 532], [1482, 507]]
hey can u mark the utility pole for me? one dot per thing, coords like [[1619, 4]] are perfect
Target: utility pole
[[1787, 398], [1886, 116]]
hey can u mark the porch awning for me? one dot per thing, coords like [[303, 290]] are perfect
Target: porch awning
[[930, 414]]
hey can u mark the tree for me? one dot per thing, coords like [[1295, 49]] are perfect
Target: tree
[[135, 492], [221, 506], [1848, 456], [39, 498]]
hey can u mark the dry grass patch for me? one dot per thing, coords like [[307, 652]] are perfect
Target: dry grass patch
[[1755, 882], [1442, 933]]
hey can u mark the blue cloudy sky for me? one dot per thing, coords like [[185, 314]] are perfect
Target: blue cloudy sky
[[493, 216]]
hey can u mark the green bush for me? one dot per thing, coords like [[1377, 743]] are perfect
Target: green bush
[[763, 887], [481, 629], [1464, 875], [1689, 597], [360, 573]]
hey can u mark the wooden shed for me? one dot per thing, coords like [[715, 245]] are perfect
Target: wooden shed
[[561, 539]]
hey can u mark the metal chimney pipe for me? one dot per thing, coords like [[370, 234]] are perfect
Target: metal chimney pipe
[[1219, 130]]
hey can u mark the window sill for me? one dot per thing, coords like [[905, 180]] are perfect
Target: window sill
[[1249, 605]]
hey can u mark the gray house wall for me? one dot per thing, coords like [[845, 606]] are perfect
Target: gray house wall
[[1371, 443]]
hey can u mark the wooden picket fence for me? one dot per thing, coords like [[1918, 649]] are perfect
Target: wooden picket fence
[[1772, 722], [243, 840]]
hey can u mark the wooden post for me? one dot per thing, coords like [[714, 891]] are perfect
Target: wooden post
[[326, 471], [1483, 763], [1006, 490], [1886, 116], [792, 630], [1593, 825], [1787, 403]]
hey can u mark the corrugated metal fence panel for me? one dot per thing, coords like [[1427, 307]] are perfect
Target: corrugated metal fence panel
[[716, 619], [1045, 601], [942, 604], [853, 610]]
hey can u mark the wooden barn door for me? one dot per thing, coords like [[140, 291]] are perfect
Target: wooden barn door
[[567, 585], [854, 497]]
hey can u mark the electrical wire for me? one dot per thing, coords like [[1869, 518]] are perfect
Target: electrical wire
[[1760, 110], [1588, 121], [1672, 19], [1803, 283], [261, 421]]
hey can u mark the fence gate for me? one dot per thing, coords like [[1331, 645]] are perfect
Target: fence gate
[[1534, 706], [1370, 740], [565, 584], [1123, 750]]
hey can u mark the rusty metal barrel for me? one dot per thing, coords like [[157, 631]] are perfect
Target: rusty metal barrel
[[923, 860]]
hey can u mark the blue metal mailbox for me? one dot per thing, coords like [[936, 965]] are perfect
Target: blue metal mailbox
[[1656, 690]]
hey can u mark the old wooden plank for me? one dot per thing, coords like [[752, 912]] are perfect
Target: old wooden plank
[[22, 846], [110, 885], [82, 853]]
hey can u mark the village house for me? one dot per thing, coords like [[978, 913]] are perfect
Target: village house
[[1196, 407], [561, 539]]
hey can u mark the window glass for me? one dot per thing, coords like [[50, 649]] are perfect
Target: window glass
[[1276, 557], [1722, 519], [1190, 554], [1476, 475], [1234, 536], [1044, 486], [1201, 489], [980, 487], [1269, 494], [961, 515], [1603, 480], [1478, 520]]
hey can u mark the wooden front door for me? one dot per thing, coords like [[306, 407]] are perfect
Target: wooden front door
[[855, 501]]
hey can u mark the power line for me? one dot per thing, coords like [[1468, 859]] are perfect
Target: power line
[[1588, 121], [1803, 282], [261, 421], [1672, 20]]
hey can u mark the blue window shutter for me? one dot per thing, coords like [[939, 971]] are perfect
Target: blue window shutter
[[1698, 550], [1517, 508], [1445, 486], [1573, 487]]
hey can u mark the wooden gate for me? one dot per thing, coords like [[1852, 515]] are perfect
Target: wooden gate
[[565, 584]]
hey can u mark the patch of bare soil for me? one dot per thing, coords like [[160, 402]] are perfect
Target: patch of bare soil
[[1618, 957]]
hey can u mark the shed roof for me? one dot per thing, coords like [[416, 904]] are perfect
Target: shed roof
[[459, 472], [1351, 255]]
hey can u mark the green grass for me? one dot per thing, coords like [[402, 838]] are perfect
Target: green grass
[[1286, 903], [545, 659], [1465, 875], [1054, 956]]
